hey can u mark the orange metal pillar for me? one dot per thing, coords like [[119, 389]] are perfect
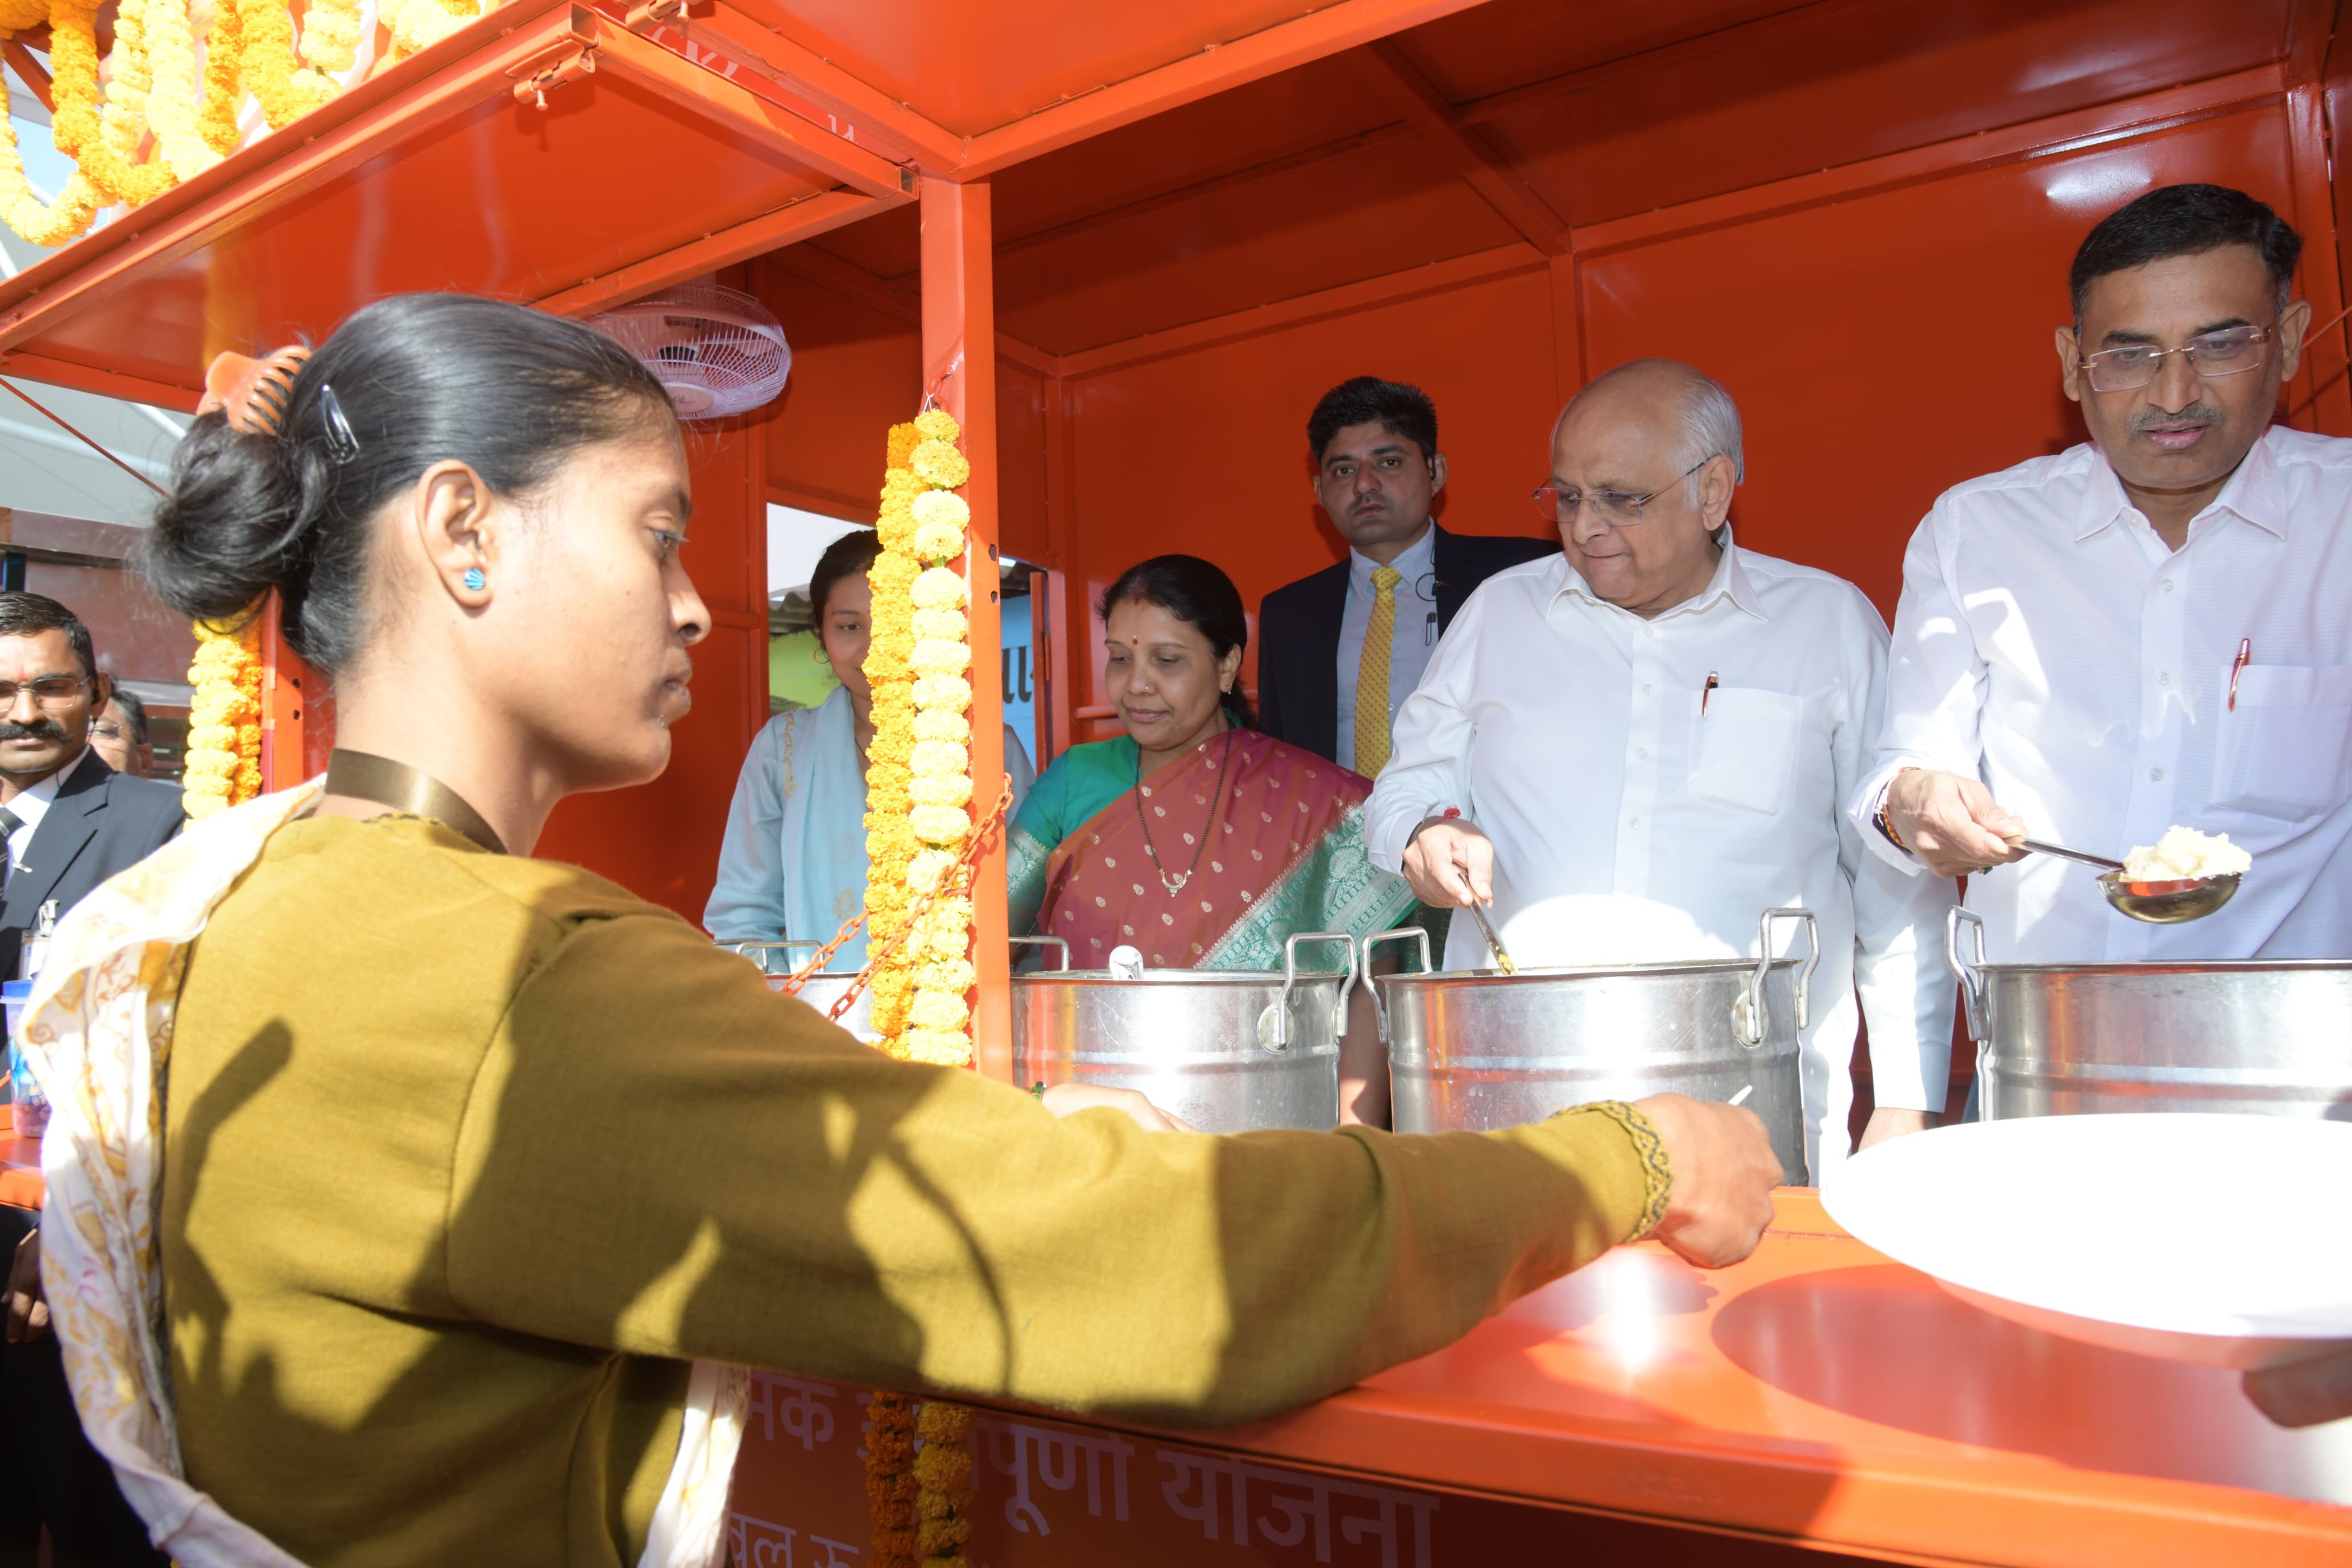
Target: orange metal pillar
[[960, 366]]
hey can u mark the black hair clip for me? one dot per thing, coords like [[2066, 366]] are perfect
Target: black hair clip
[[342, 445]]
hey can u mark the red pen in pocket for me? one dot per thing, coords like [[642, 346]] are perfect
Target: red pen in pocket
[[2237, 665], [1707, 691]]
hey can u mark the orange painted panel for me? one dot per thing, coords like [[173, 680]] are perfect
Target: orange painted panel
[[1835, 84], [1507, 44], [1021, 465], [1803, 315], [1206, 452], [1248, 127], [1370, 210], [856, 370], [974, 67], [492, 201]]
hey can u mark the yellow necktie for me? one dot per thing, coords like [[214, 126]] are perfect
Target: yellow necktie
[[1372, 676]]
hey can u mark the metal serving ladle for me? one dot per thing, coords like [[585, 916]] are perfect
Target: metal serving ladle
[[2157, 903]]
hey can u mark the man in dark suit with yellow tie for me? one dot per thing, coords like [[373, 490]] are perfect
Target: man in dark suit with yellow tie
[[1340, 650]]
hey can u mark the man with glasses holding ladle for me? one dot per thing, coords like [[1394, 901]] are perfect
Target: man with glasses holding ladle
[[2151, 629], [1636, 745]]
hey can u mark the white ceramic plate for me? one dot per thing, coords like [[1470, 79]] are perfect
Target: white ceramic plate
[[2224, 1240]]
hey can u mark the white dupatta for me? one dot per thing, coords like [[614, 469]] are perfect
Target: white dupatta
[[98, 1031]]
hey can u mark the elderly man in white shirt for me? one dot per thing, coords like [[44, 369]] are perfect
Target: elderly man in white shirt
[[2150, 629], [1633, 748]]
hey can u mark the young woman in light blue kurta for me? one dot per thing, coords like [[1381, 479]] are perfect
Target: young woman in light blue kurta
[[793, 865]]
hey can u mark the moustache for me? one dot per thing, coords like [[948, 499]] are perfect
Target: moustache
[[40, 729], [2204, 412]]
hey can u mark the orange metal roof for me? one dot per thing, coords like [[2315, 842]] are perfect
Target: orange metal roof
[[1145, 178]]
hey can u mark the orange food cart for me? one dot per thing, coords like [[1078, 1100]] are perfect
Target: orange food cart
[[1128, 246]]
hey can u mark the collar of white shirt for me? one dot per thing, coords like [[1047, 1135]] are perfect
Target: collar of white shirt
[[1730, 581], [2253, 493], [1415, 561], [31, 805]]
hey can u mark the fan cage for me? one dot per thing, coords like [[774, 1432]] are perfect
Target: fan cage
[[718, 350]]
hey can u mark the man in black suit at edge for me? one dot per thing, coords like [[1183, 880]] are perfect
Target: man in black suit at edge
[[68, 822], [1340, 650]]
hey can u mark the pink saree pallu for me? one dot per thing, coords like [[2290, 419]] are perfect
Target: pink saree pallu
[[1211, 862]]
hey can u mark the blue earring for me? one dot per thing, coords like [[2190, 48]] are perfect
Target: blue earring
[[475, 581]]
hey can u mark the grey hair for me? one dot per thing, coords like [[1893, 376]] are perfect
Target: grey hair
[[1710, 429], [1710, 418]]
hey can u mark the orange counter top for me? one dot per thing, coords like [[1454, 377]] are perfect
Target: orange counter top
[[20, 1170], [1815, 1396]]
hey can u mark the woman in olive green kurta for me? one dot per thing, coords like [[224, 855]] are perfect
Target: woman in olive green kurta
[[468, 1154]]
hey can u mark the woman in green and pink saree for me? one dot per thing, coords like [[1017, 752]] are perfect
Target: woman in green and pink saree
[[1194, 838]]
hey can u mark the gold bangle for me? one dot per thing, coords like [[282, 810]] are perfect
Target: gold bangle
[[1657, 1171]]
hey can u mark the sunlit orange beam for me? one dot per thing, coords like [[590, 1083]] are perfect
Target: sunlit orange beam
[[20, 60], [1211, 70], [801, 220]]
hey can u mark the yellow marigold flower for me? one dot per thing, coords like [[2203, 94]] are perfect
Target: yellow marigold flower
[[937, 1539], [938, 656], [941, 463], [928, 866], [945, 625], [955, 974], [212, 737], [937, 425], [942, 824], [936, 1010], [942, 507], [940, 758], [896, 527], [932, 724], [936, 541], [902, 485], [953, 789], [939, 588], [892, 574], [904, 439], [938, 1048], [947, 693]]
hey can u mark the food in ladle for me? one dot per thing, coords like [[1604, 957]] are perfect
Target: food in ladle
[[2184, 854]]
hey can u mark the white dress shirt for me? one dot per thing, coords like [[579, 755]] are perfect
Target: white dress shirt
[[1628, 828], [31, 806], [2049, 643], [1410, 644]]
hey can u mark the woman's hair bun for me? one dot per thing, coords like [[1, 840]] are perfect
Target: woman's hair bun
[[417, 380]]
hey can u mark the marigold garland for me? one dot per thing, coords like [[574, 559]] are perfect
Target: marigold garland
[[917, 790], [224, 80], [890, 1486], [157, 101], [68, 216], [286, 88], [224, 758]]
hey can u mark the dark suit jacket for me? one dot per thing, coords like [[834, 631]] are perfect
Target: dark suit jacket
[[101, 822], [1298, 633]]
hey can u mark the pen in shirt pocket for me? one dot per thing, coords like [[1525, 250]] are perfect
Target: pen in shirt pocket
[[1707, 691], [2237, 667]]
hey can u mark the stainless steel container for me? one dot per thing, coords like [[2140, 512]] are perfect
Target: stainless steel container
[[2271, 1038], [819, 990], [1476, 1050], [1229, 1050]]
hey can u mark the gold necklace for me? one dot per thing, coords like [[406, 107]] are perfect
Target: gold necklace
[[1225, 772]]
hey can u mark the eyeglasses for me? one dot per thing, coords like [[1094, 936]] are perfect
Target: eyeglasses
[[49, 690], [2230, 352], [107, 729], [1618, 508]]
